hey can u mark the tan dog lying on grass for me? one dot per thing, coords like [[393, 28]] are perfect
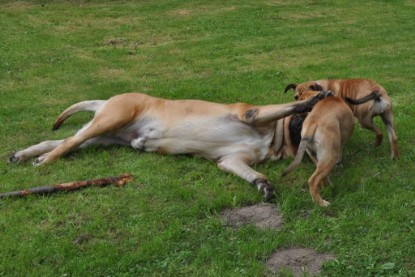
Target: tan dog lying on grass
[[358, 88], [235, 135], [325, 131]]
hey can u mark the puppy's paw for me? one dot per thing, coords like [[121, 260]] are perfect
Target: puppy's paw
[[324, 203]]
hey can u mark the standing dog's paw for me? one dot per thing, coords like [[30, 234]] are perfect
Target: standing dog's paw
[[324, 203]]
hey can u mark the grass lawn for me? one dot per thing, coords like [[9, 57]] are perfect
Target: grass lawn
[[166, 222]]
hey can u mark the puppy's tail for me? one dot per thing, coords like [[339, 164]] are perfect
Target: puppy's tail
[[373, 96], [299, 157], [91, 106]]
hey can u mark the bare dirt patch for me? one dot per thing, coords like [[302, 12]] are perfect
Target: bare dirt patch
[[263, 216], [298, 260]]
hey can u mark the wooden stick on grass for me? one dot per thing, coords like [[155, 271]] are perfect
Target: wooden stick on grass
[[118, 180]]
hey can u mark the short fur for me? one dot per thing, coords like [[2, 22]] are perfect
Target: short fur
[[359, 88], [326, 130], [234, 135]]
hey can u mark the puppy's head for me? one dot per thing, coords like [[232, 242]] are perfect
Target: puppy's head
[[304, 87]]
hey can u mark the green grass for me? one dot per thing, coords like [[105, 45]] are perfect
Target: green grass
[[166, 222]]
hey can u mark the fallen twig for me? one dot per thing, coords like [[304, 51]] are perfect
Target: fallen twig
[[118, 180]]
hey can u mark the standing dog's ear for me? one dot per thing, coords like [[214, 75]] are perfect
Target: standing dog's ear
[[290, 86], [316, 87]]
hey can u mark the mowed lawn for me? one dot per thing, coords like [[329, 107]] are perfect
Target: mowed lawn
[[166, 222]]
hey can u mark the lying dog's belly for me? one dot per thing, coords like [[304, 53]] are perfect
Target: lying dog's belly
[[210, 137]]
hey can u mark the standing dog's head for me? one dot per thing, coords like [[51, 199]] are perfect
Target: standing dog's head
[[307, 94], [304, 87]]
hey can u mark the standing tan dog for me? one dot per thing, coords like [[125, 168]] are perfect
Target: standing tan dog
[[358, 88], [235, 135], [325, 131]]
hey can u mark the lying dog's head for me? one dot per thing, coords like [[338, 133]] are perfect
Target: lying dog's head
[[304, 87]]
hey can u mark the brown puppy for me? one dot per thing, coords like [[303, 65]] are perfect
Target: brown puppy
[[234, 135], [325, 131], [358, 88]]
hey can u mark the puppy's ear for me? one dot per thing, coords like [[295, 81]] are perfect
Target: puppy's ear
[[290, 86], [316, 87]]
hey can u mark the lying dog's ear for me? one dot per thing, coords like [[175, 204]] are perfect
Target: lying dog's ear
[[316, 87], [290, 86]]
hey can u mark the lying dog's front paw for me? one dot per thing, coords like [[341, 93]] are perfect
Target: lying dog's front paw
[[266, 189]]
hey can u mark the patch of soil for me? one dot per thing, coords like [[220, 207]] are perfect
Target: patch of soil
[[298, 260], [115, 42], [263, 216]]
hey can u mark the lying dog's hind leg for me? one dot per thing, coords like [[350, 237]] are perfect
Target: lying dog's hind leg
[[107, 121], [237, 165], [34, 151]]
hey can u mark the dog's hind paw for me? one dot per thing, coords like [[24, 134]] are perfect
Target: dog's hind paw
[[13, 159], [39, 160]]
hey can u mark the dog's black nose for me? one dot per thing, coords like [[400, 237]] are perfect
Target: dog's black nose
[[296, 97]]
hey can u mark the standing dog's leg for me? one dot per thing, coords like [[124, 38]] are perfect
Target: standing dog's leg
[[238, 166], [319, 178], [387, 119], [367, 122]]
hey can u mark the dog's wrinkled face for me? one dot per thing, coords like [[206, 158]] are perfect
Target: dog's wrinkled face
[[304, 87]]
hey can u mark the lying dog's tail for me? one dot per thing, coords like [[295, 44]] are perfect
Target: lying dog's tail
[[373, 96], [307, 137], [91, 106]]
